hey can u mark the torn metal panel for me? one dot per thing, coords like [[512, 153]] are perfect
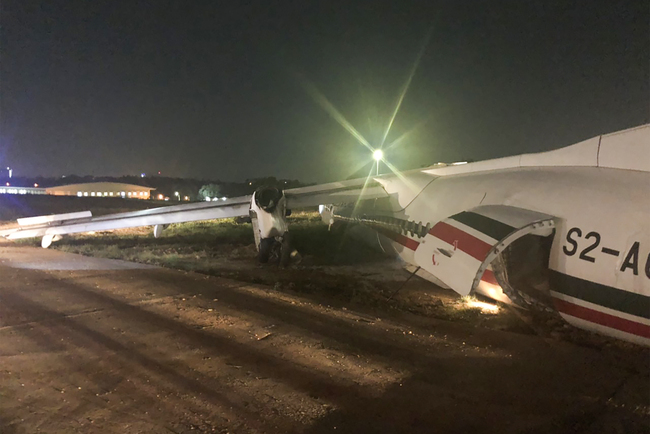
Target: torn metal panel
[[459, 249]]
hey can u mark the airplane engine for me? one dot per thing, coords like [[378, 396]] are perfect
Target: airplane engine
[[268, 212]]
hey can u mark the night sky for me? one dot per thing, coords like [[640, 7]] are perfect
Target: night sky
[[229, 89]]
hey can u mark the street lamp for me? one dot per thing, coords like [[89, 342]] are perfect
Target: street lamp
[[177, 195], [378, 155]]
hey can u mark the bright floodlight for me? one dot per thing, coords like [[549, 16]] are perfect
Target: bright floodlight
[[378, 155]]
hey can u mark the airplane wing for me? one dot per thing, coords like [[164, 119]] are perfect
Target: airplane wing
[[335, 193], [51, 226]]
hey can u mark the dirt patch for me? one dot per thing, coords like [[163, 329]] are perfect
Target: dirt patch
[[121, 350]]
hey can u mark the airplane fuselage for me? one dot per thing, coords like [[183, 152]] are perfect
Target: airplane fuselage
[[600, 255], [597, 258]]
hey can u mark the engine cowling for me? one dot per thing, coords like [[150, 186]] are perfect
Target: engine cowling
[[268, 211]]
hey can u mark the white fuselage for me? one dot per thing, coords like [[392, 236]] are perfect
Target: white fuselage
[[602, 232], [593, 198]]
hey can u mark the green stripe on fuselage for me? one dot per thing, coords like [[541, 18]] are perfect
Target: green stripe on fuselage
[[602, 295]]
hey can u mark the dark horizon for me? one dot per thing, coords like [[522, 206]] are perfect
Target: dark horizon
[[222, 90]]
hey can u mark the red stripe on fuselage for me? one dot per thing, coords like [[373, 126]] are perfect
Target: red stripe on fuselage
[[489, 277], [602, 318], [469, 244], [399, 238]]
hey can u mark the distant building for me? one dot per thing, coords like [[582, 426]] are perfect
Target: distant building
[[21, 190], [102, 189]]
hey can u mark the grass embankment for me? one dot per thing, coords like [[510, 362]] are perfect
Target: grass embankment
[[218, 240]]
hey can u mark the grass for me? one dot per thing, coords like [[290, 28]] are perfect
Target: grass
[[219, 239]]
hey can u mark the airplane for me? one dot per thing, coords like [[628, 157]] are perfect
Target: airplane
[[566, 230]]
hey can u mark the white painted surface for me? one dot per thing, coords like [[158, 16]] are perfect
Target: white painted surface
[[39, 220], [629, 149]]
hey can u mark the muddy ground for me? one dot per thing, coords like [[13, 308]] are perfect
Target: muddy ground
[[95, 345]]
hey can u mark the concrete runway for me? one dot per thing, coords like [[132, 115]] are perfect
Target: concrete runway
[[91, 345]]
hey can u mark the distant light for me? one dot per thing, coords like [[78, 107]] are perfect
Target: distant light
[[159, 172], [378, 155], [92, 193], [459, 163], [166, 198], [223, 198], [35, 185], [186, 198], [8, 184], [142, 175], [207, 199], [176, 193], [161, 197], [79, 194], [250, 183]]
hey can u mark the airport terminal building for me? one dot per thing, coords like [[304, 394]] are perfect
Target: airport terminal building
[[102, 189], [91, 189]]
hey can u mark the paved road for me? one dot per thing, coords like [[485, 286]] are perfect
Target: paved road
[[90, 345]]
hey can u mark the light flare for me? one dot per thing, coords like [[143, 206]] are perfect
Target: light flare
[[326, 105], [406, 86], [377, 153], [408, 183], [363, 189], [398, 141]]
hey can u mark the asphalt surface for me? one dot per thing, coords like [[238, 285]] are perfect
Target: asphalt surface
[[91, 345]]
